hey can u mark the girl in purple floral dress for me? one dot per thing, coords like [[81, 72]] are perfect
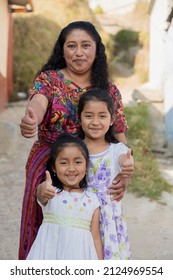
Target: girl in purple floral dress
[[107, 156]]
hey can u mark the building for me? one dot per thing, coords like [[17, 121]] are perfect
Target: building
[[161, 58], [7, 8]]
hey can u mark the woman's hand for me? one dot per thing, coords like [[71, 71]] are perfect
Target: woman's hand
[[28, 125], [118, 187], [45, 190]]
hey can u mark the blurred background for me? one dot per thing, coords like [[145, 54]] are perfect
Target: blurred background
[[138, 36]]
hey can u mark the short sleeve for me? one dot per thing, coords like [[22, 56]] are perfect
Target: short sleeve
[[95, 200], [42, 85], [120, 121], [117, 150], [120, 148]]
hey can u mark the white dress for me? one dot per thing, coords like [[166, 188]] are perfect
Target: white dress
[[65, 232], [103, 168]]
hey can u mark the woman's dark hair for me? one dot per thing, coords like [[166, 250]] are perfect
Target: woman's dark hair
[[97, 94], [65, 140], [99, 76]]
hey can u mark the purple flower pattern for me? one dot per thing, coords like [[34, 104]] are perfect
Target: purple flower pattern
[[102, 170]]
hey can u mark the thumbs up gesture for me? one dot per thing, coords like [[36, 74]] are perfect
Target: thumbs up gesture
[[28, 124], [45, 190], [127, 164]]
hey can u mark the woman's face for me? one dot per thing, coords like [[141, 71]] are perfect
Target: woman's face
[[79, 51]]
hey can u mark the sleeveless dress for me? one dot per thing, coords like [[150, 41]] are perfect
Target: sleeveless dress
[[61, 116], [65, 232], [103, 168]]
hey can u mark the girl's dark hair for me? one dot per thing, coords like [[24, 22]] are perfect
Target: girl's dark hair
[[97, 94], [99, 75], [65, 140]]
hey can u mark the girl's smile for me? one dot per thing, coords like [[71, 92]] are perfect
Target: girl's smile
[[70, 167], [95, 120]]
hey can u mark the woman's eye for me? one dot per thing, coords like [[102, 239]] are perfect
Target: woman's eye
[[86, 46], [71, 46]]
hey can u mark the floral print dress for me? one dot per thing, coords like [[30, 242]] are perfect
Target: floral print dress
[[103, 168]]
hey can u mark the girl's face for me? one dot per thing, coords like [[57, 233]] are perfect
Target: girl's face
[[95, 120], [70, 167], [79, 51]]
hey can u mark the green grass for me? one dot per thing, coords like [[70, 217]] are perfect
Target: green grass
[[147, 180]]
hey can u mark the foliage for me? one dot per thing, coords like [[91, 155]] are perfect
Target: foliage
[[99, 10], [34, 37], [147, 180], [126, 38]]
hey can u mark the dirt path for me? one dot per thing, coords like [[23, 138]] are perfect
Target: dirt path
[[12, 179]]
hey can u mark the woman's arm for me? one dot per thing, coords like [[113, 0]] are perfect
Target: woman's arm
[[121, 137], [95, 230], [34, 115]]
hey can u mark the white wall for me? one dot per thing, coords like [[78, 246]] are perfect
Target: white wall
[[118, 6], [161, 59], [157, 44], [168, 83]]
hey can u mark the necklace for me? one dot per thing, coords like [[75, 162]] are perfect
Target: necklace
[[78, 89], [70, 82]]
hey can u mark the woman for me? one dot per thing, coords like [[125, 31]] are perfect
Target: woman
[[77, 63]]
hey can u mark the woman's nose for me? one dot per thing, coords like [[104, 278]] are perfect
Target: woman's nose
[[79, 51]]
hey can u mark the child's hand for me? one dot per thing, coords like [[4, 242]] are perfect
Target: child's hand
[[127, 164], [121, 181], [28, 125], [45, 190]]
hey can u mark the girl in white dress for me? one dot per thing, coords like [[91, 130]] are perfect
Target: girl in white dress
[[107, 157], [70, 228]]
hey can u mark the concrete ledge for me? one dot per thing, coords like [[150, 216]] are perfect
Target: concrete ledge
[[147, 95]]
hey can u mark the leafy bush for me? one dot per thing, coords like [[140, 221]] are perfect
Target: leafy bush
[[33, 40], [126, 38]]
